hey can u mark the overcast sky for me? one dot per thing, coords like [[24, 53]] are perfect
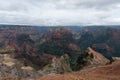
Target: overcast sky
[[60, 12]]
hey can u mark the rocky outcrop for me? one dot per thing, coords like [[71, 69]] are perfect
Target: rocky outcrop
[[97, 58], [16, 73], [58, 65], [7, 49], [13, 69]]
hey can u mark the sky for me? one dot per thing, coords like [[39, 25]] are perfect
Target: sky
[[60, 12]]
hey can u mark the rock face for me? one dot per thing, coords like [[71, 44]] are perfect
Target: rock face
[[7, 49], [16, 73], [12, 68], [61, 41], [58, 65], [98, 58]]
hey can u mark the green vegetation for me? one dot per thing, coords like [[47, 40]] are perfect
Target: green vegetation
[[82, 60]]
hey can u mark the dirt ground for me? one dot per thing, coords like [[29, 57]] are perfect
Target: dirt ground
[[108, 72]]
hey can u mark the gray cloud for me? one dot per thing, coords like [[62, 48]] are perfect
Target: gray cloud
[[60, 12]]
